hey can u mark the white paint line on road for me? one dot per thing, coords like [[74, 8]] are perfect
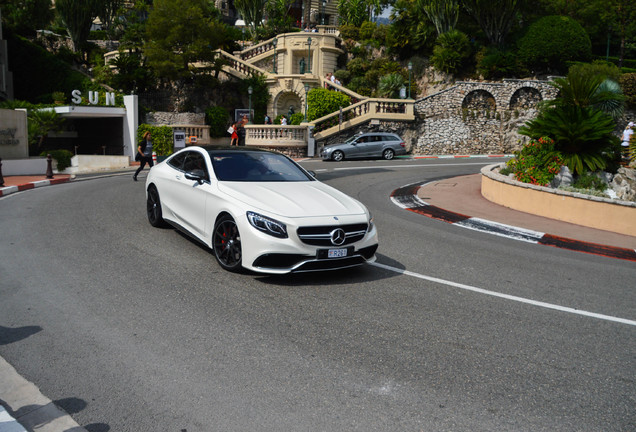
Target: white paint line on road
[[373, 167], [507, 296]]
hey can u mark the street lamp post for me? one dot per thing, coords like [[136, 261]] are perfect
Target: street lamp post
[[309, 54], [324, 7], [306, 101], [275, 42], [410, 66], [249, 92]]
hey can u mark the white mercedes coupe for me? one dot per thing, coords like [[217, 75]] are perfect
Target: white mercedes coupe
[[259, 210]]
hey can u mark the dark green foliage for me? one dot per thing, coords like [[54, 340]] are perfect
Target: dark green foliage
[[297, 118], [37, 73], [322, 102], [78, 17], [493, 63], [349, 31], [451, 52], [26, 16], [260, 96], [367, 29], [162, 138], [583, 137], [551, 42], [218, 119], [62, 157], [587, 180], [628, 85]]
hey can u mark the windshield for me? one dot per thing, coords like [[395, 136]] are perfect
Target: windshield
[[256, 167]]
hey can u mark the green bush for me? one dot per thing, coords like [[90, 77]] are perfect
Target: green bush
[[584, 137], [451, 51], [493, 63], [628, 85], [31, 83], [322, 102], [589, 181], [62, 157], [218, 119], [367, 29], [551, 42], [297, 118], [162, 138], [536, 163], [349, 31]]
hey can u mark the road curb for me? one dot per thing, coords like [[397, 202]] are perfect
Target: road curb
[[31, 185], [406, 197]]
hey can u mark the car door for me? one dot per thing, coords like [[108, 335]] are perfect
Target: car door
[[361, 147], [190, 196], [374, 146]]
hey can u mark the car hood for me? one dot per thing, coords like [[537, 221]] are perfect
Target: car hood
[[293, 199]]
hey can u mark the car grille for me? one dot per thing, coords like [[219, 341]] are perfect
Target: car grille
[[322, 235]]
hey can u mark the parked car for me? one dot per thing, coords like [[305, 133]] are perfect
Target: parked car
[[367, 145], [259, 210]]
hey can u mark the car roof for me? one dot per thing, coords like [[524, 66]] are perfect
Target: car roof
[[225, 149]]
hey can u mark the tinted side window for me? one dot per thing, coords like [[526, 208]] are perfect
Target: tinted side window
[[177, 161], [194, 161]]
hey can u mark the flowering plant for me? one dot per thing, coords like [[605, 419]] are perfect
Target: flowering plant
[[537, 162]]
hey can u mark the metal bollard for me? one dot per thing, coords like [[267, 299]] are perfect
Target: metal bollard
[[1, 178], [49, 166]]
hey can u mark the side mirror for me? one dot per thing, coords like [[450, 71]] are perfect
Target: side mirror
[[196, 175]]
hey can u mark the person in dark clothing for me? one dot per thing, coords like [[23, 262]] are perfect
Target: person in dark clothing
[[144, 154]]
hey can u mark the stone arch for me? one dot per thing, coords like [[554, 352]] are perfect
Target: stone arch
[[479, 100], [289, 98], [525, 98]]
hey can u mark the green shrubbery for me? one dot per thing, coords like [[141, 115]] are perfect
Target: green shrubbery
[[62, 157], [537, 162], [162, 138], [551, 42], [218, 119], [322, 102]]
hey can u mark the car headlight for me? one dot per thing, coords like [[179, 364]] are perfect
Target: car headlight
[[370, 223], [267, 225]]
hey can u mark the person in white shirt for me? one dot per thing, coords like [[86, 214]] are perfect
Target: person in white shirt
[[627, 136]]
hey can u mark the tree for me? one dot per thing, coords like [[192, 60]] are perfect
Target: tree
[[410, 32], [180, 33], [252, 12], [353, 12], [322, 102], [107, 11], [551, 42], [78, 17], [390, 85], [583, 133], [41, 123], [27, 16], [495, 17], [133, 22], [443, 14]]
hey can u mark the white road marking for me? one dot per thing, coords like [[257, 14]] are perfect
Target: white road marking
[[507, 296]]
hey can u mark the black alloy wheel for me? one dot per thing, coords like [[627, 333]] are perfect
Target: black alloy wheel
[[153, 208], [226, 241]]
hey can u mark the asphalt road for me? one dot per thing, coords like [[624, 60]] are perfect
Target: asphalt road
[[131, 328]]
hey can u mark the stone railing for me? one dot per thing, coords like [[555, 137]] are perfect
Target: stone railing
[[201, 132], [272, 136], [355, 97], [256, 50], [362, 112], [239, 67]]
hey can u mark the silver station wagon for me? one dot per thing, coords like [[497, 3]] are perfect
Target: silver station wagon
[[367, 145]]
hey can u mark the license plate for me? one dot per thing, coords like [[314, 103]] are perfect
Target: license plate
[[336, 253]]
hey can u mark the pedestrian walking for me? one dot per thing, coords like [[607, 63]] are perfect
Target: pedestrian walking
[[234, 140], [627, 137], [144, 154]]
